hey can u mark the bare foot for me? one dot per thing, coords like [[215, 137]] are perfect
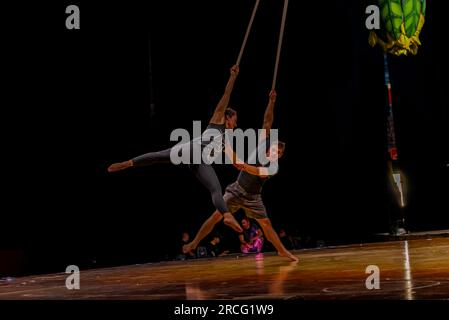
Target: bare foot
[[230, 221], [287, 254], [120, 166], [188, 247]]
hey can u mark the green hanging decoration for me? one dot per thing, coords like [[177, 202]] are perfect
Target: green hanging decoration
[[402, 21]]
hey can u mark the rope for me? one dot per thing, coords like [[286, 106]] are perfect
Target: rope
[[248, 30], [281, 36]]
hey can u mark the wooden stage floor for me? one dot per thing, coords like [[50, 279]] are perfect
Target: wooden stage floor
[[414, 269]]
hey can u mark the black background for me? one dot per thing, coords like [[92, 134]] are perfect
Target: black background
[[77, 100]]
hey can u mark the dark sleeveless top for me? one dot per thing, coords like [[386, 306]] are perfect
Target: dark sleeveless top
[[213, 140]]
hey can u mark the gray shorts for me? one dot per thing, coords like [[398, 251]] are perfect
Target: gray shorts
[[237, 198]]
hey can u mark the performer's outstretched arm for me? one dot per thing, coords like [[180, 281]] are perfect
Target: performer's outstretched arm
[[256, 171], [267, 124], [241, 165], [219, 113], [269, 113]]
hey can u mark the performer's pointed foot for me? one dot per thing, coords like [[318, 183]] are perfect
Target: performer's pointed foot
[[120, 166], [288, 255], [230, 221], [188, 247]]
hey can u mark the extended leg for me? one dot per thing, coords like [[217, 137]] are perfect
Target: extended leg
[[143, 160], [205, 229], [274, 239], [206, 174]]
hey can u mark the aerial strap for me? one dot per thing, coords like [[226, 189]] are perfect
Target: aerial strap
[[248, 31], [281, 36]]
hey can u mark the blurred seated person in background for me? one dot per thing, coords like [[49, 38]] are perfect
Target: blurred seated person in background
[[180, 254], [214, 248], [251, 240], [286, 239]]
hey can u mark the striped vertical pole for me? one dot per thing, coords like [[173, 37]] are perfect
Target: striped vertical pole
[[392, 148]]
